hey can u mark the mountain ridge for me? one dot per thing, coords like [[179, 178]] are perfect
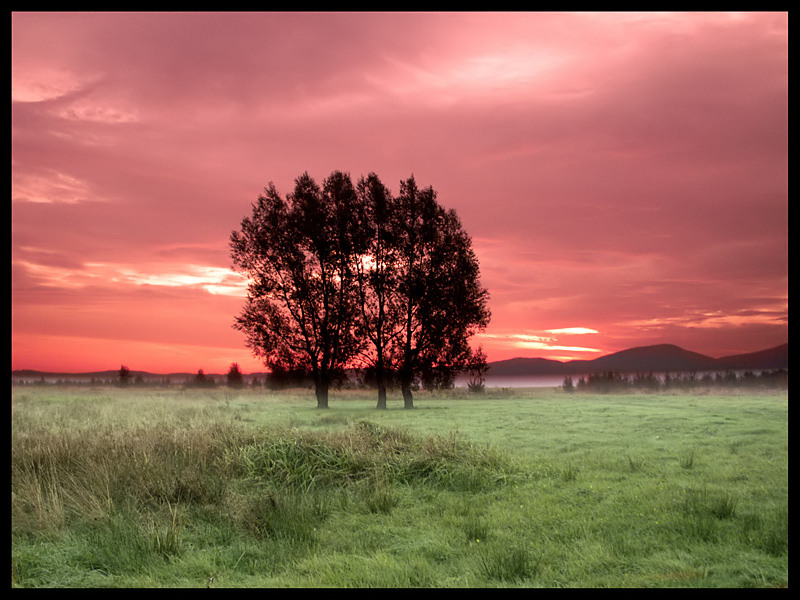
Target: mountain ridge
[[658, 357]]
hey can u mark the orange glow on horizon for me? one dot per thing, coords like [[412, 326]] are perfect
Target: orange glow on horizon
[[84, 355]]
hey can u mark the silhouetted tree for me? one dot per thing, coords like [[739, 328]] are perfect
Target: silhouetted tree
[[418, 288], [124, 376], [477, 368], [234, 376], [202, 380], [442, 301], [377, 277], [341, 275], [302, 300]]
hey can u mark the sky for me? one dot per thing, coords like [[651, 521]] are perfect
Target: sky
[[623, 176]]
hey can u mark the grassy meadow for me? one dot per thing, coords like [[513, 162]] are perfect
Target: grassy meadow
[[147, 487]]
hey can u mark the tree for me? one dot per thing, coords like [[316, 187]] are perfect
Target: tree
[[477, 368], [439, 290], [376, 269], [234, 376], [301, 301], [124, 376], [202, 380], [342, 275], [418, 288]]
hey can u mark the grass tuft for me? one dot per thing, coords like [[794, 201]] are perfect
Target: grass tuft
[[510, 564], [687, 460]]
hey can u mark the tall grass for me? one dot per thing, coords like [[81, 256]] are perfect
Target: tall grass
[[213, 489]]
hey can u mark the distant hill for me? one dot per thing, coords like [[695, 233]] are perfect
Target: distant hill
[[662, 357], [529, 366], [658, 358], [772, 358]]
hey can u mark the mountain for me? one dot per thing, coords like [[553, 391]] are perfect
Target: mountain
[[772, 358], [661, 357], [529, 366]]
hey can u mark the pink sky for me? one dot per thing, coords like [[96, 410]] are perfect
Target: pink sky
[[624, 176]]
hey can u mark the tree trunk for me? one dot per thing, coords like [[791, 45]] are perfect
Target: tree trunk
[[406, 379], [381, 397], [380, 377], [408, 397], [322, 395]]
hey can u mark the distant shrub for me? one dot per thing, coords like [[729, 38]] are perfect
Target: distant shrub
[[201, 380], [234, 376]]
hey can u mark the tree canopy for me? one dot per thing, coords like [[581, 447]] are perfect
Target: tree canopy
[[347, 275]]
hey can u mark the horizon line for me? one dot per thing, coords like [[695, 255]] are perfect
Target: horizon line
[[355, 368]]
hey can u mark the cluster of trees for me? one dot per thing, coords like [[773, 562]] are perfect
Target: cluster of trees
[[614, 382], [346, 275]]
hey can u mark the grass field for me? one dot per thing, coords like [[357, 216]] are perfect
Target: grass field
[[512, 488]]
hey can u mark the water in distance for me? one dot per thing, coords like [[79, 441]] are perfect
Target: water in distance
[[518, 381]]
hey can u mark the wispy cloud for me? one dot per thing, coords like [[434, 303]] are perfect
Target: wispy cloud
[[546, 344], [214, 280], [573, 330], [51, 186]]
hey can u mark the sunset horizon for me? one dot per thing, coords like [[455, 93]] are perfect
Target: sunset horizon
[[255, 367], [623, 176]]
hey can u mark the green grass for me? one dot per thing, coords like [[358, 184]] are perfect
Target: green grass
[[533, 488]]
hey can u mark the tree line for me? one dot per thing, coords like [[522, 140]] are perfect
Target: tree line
[[125, 378], [345, 275], [612, 381], [234, 378]]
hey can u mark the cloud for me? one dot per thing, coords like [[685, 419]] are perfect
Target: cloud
[[626, 172], [573, 330], [211, 279], [535, 341], [49, 186]]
